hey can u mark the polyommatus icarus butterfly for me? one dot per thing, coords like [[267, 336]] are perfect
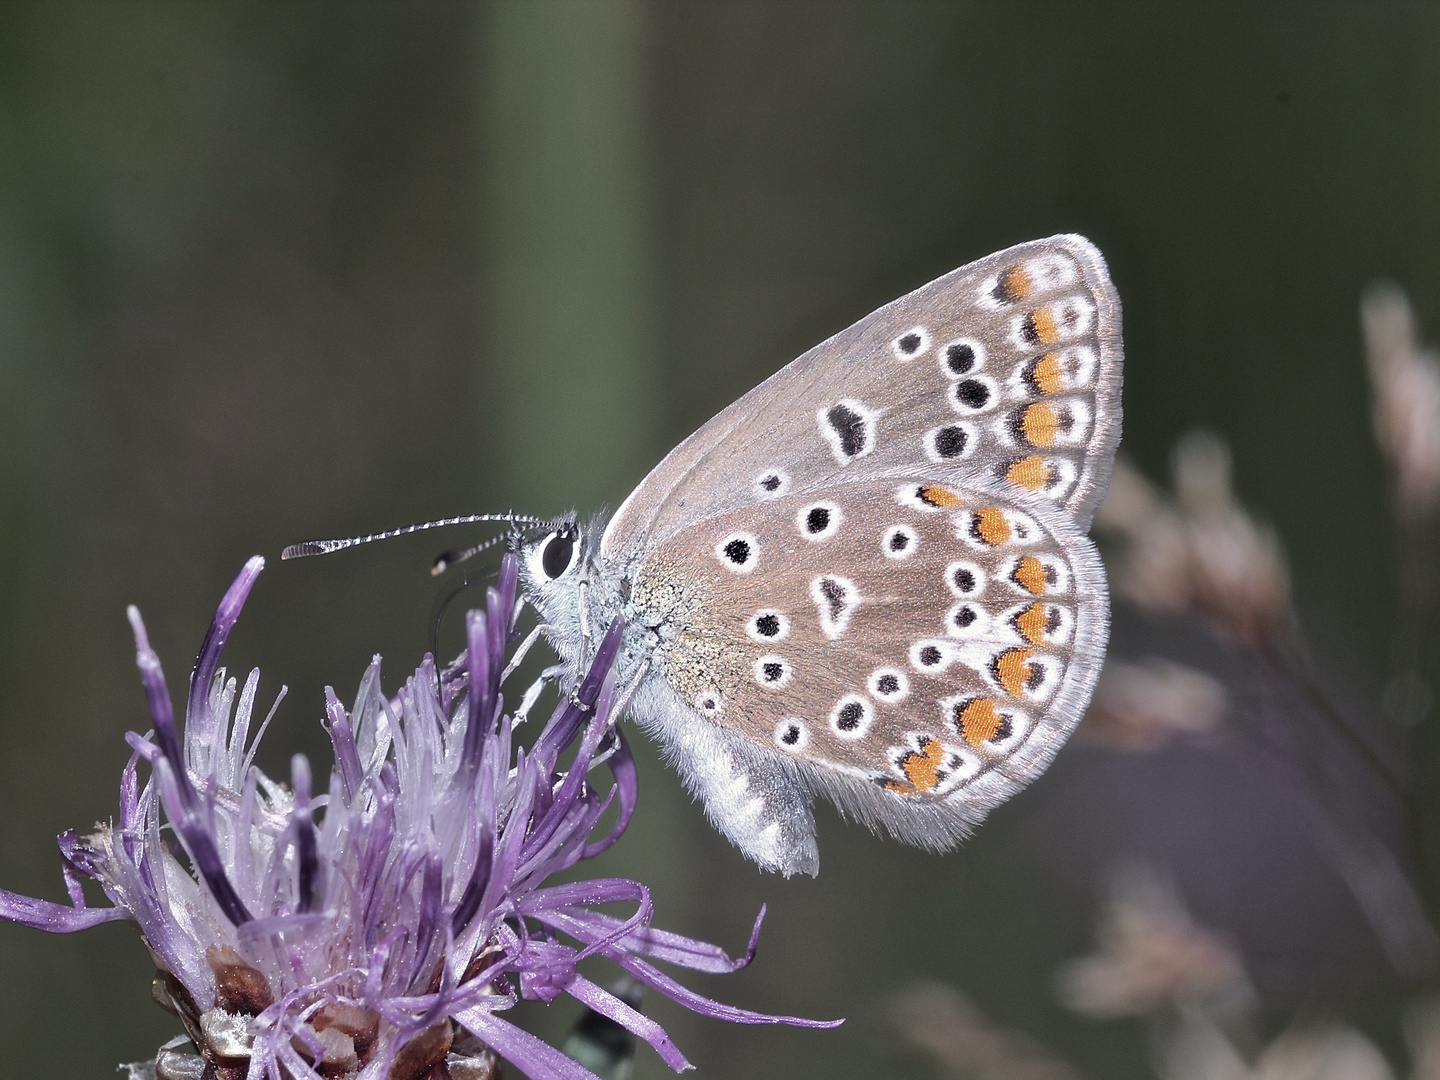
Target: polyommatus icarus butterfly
[[869, 578]]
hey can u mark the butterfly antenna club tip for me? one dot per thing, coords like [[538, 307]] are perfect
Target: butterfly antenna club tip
[[311, 547]]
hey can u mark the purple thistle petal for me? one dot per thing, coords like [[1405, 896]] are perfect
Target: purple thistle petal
[[74, 861], [536, 1059], [626, 789], [474, 889], [342, 738], [507, 586], [648, 941], [567, 719], [697, 1003], [480, 700], [633, 1021], [56, 918], [226, 615], [431, 900], [200, 844], [569, 789], [161, 711], [307, 866], [500, 618]]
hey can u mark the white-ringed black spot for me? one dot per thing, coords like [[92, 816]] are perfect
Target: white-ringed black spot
[[836, 599], [888, 685], [900, 542], [960, 358], [911, 343], [933, 655], [849, 428], [971, 394], [818, 521], [768, 625], [709, 702], [739, 552], [851, 717], [964, 579], [968, 620], [792, 734], [950, 442], [772, 483], [773, 671]]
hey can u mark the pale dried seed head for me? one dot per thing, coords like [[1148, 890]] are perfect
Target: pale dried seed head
[[1405, 380], [1201, 467], [946, 1025], [1139, 706], [1152, 958]]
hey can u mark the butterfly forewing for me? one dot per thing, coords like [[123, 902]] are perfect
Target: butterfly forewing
[[923, 640], [1007, 368]]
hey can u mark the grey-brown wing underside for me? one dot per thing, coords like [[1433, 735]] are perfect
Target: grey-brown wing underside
[[917, 651], [1007, 368]]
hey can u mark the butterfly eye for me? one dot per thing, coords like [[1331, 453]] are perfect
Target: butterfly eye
[[557, 553]]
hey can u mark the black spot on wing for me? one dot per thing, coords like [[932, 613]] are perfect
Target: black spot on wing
[[851, 429]]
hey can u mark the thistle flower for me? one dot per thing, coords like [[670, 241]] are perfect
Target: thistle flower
[[379, 929]]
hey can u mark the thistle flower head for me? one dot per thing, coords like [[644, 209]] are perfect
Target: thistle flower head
[[377, 925]]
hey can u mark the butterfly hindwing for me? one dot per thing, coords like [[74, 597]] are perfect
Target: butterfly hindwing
[[917, 649], [1008, 368]]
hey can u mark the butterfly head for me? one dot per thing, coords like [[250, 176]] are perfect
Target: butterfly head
[[557, 563], [552, 554]]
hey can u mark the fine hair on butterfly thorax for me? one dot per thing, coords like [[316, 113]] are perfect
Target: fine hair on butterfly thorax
[[870, 577]]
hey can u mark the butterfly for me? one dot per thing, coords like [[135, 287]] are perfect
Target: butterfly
[[869, 578]]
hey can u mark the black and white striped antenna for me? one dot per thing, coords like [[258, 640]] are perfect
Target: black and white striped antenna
[[325, 547]]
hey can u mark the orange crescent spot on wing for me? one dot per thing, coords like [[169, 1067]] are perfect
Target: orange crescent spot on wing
[[1012, 669], [990, 526]]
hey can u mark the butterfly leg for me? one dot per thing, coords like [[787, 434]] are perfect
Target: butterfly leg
[[525, 647], [610, 743], [585, 635], [623, 702], [532, 693]]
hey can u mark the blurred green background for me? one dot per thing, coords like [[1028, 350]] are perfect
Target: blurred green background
[[276, 271]]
